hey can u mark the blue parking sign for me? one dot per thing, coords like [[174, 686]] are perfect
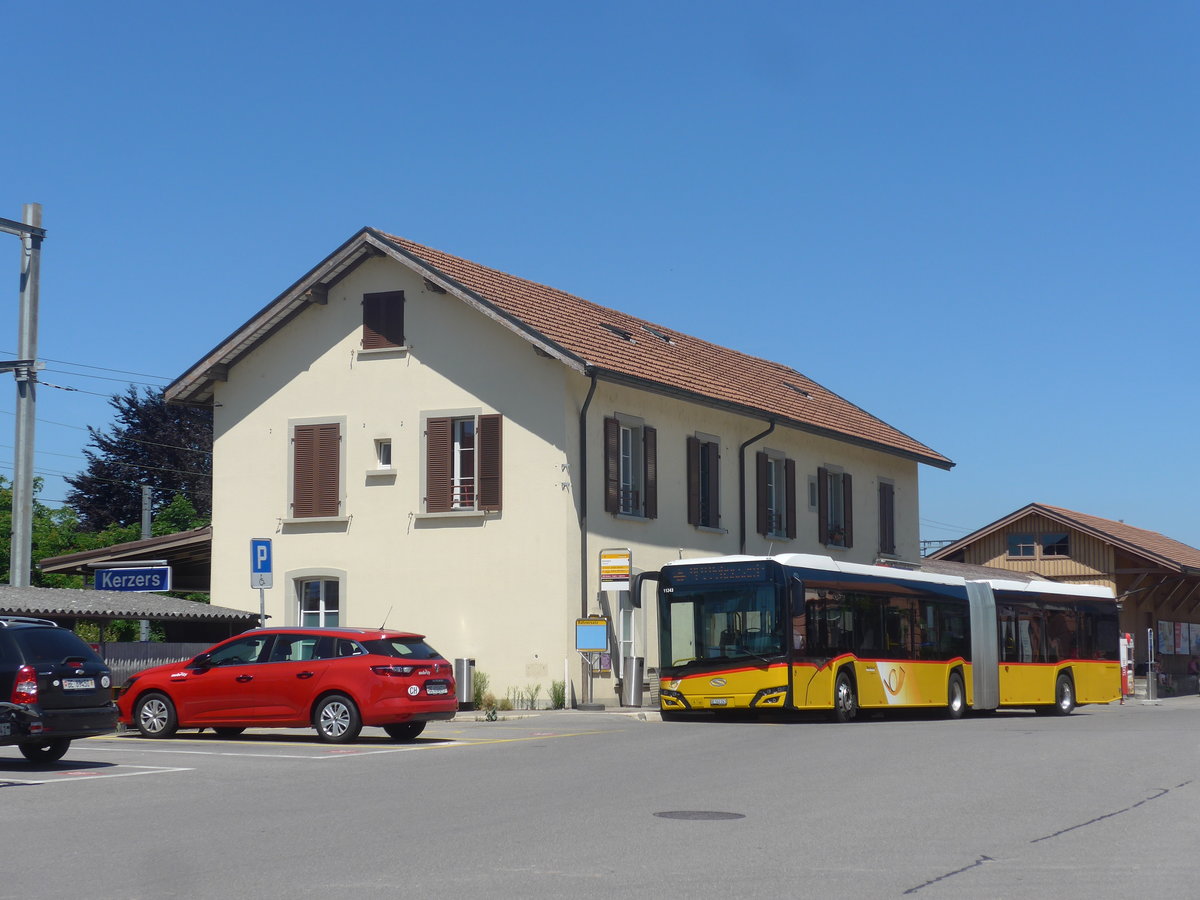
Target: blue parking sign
[[260, 563]]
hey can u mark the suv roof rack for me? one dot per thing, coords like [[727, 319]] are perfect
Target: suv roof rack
[[25, 620]]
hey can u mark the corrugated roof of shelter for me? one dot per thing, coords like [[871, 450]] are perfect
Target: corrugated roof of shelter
[[1139, 541], [83, 604], [583, 335]]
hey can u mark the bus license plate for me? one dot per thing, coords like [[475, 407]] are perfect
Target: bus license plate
[[79, 684], [718, 701]]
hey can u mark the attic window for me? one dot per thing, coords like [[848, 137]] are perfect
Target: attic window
[[619, 332], [799, 390], [658, 334]]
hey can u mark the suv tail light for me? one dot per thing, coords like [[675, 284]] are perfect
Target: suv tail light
[[25, 688]]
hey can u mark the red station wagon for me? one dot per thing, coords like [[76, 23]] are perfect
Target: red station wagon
[[334, 679]]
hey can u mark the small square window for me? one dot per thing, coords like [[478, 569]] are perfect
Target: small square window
[[383, 453], [1056, 543], [1021, 546]]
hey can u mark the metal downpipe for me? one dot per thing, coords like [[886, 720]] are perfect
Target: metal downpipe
[[742, 484]]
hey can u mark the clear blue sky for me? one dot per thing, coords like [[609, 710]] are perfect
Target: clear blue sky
[[977, 221]]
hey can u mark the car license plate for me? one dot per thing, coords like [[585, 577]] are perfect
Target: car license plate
[[437, 689], [718, 701], [5, 729], [79, 684]]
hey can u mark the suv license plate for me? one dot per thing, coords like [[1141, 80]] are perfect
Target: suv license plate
[[79, 684]]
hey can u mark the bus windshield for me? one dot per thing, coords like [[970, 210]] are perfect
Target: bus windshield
[[720, 622]]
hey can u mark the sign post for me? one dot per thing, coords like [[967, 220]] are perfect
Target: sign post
[[261, 576]]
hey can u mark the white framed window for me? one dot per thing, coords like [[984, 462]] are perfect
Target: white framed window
[[319, 601], [776, 494], [463, 462], [834, 510], [383, 453], [631, 467]]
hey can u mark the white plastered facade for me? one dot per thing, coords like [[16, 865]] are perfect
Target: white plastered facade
[[503, 588]]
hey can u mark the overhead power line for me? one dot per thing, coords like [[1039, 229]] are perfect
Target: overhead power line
[[63, 362]]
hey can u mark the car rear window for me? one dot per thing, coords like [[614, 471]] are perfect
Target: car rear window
[[53, 645], [402, 649]]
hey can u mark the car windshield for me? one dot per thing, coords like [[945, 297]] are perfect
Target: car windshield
[[401, 648], [53, 645]]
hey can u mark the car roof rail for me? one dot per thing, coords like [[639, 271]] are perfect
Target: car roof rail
[[25, 620]]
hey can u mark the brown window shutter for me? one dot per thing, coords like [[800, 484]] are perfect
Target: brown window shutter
[[438, 465], [693, 480], [823, 505], [612, 466], [383, 320], [760, 464], [304, 453], [789, 477], [887, 517], [650, 471], [316, 480], [490, 463], [848, 510], [713, 450]]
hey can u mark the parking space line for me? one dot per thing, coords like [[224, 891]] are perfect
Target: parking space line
[[88, 775], [319, 751]]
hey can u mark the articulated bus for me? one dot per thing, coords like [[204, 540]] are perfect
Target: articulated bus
[[803, 632]]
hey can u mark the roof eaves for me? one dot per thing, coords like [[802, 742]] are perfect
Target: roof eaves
[[1063, 518], [195, 385], [766, 415]]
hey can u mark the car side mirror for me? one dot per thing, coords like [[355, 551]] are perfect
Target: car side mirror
[[203, 661]]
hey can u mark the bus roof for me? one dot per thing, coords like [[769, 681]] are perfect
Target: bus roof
[[903, 573]]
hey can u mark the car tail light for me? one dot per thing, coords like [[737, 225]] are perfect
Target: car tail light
[[25, 688], [393, 670], [402, 670]]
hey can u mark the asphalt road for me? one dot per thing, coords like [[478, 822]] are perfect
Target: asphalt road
[[1104, 803]]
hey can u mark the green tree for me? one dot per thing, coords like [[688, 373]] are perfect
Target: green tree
[[57, 532], [165, 446]]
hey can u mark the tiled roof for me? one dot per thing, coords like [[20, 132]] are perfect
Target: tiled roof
[[1138, 541], [583, 335], [626, 346]]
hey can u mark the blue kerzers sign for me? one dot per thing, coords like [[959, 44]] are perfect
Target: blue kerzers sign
[[155, 578]]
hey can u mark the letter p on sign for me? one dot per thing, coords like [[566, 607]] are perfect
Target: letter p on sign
[[260, 563]]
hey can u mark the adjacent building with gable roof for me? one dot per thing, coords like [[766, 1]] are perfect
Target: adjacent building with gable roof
[[445, 447], [1156, 579]]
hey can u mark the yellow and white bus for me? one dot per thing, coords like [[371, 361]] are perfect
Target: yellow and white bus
[[804, 632]]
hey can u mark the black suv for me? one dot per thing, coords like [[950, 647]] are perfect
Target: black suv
[[53, 687]]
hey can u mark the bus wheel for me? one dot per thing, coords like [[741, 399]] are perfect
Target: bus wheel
[[845, 703], [956, 697], [1064, 695]]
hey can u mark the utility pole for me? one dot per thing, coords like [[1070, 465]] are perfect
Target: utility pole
[[24, 369]]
